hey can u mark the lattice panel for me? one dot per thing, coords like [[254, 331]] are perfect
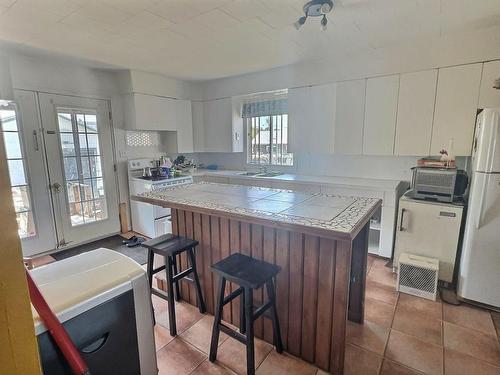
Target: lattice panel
[[142, 139]]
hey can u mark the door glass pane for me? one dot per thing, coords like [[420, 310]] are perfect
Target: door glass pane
[[8, 120], [25, 224], [17, 171], [12, 145], [93, 144], [20, 195], [83, 171], [91, 123], [64, 122], [70, 168], [67, 144]]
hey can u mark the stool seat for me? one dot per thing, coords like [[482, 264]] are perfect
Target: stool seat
[[245, 271], [169, 244]]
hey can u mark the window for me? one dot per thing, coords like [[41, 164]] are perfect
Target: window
[[268, 140], [82, 166], [267, 132], [16, 161]]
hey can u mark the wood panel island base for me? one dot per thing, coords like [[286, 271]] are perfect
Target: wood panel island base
[[319, 241]]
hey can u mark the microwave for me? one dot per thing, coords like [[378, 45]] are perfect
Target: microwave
[[441, 185]]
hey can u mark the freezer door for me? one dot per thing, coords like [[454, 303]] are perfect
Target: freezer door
[[486, 149], [431, 230], [479, 275]]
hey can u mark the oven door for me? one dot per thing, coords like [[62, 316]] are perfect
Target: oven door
[[159, 212], [163, 226]]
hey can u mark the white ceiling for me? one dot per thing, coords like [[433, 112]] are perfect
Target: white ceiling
[[206, 39]]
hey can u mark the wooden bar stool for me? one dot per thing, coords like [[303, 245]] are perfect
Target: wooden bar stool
[[169, 246], [249, 274]]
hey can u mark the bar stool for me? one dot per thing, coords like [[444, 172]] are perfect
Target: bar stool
[[170, 246], [249, 274]]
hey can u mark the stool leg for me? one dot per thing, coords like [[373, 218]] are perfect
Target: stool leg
[[242, 313], [274, 317], [217, 319], [199, 295], [171, 299], [177, 289], [249, 331], [149, 268]]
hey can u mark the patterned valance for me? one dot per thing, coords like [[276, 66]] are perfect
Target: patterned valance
[[265, 108]]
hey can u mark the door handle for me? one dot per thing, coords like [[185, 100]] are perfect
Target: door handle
[[35, 140], [56, 186]]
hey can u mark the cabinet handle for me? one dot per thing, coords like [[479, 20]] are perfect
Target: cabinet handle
[[401, 228], [96, 345]]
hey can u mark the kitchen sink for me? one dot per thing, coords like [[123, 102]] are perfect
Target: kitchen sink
[[269, 174], [248, 173]]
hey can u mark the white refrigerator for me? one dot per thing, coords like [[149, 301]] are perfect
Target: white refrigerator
[[479, 274]]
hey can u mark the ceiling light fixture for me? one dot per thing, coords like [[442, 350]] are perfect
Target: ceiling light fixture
[[315, 8]]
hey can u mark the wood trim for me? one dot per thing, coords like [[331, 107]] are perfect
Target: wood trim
[[320, 232], [19, 353]]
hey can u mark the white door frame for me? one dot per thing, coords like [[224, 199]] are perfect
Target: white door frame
[[68, 234]]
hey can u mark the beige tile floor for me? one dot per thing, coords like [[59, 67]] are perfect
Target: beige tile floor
[[401, 335]]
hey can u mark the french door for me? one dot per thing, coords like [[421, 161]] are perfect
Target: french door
[[60, 156], [80, 163], [20, 128]]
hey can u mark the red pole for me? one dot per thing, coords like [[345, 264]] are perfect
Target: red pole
[[57, 331]]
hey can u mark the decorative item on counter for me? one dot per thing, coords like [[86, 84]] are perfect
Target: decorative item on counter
[[431, 162]]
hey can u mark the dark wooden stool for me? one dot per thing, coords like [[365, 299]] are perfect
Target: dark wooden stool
[[169, 246], [249, 274]]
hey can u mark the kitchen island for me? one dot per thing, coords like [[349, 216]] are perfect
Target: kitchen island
[[320, 242]]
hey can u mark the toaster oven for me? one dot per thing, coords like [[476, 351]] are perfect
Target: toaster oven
[[442, 185]]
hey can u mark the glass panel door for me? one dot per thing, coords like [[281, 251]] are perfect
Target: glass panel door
[[20, 130], [81, 167], [16, 163]]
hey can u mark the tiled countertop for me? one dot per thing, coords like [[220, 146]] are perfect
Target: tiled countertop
[[365, 183], [340, 214]]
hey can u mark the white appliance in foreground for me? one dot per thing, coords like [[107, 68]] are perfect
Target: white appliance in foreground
[[418, 276], [102, 299], [147, 219], [429, 229], [479, 275]]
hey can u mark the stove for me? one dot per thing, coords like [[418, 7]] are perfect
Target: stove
[[147, 219]]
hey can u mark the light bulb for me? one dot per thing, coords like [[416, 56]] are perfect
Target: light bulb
[[299, 22], [324, 23]]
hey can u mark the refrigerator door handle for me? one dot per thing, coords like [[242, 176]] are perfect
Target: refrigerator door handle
[[401, 227], [479, 220]]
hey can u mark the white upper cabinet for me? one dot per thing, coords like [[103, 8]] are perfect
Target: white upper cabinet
[[349, 117], [417, 92], [217, 121], [156, 113], [456, 106], [311, 112], [380, 115], [488, 96], [6, 91], [198, 127]]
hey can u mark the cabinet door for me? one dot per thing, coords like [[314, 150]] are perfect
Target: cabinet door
[[380, 115], [184, 125], [198, 126], [417, 92], [6, 92], [456, 107], [218, 125], [488, 96], [349, 117], [151, 112], [311, 112]]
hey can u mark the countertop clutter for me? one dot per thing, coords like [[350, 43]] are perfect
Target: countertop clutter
[[340, 214]]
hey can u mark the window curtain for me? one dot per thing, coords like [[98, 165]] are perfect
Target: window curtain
[[265, 108]]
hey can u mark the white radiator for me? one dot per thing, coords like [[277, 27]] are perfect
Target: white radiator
[[418, 275]]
